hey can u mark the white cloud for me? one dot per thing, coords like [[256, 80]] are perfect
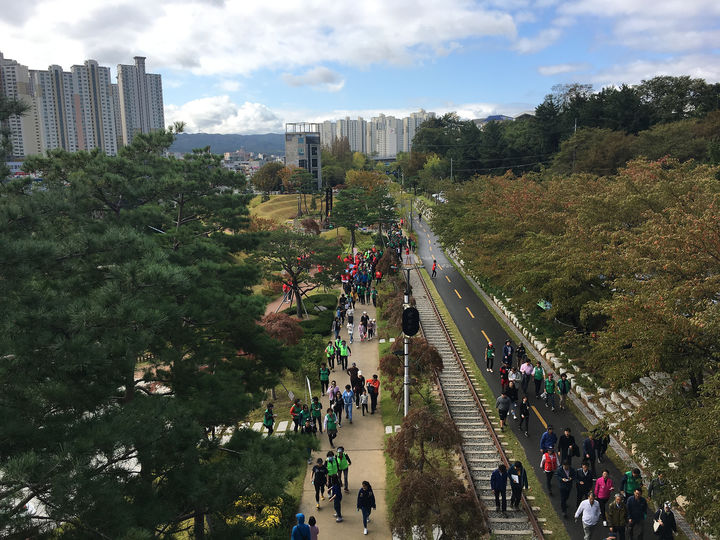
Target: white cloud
[[543, 39], [219, 114], [229, 86], [667, 26], [557, 69], [697, 66], [317, 77], [225, 38]]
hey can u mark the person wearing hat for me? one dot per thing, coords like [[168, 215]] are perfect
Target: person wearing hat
[[665, 525], [343, 461], [489, 356]]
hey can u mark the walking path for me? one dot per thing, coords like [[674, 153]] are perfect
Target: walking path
[[364, 444]]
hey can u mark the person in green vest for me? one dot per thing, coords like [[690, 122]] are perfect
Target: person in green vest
[[331, 464], [631, 481], [325, 371], [374, 295], [361, 293], [550, 387], [316, 413], [305, 415], [296, 414], [489, 356], [330, 353], [269, 419], [343, 461], [538, 378], [345, 351], [330, 425], [338, 342]]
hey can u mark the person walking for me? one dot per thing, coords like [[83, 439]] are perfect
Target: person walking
[[343, 461], [631, 481], [508, 351], [584, 479], [489, 356], [657, 490], [350, 330], [336, 498], [301, 531], [526, 371], [348, 397], [338, 407], [550, 388], [518, 482], [434, 269], [269, 419], [498, 483], [359, 388], [603, 488], [333, 472], [314, 530], [566, 479], [330, 425], [548, 439], [512, 394], [373, 388], [589, 509], [665, 517], [538, 378], [503, 404], [616, 516], [549, 465], [324, 371], [318, 478], [590, 448], [296, 414], [345, 351], [316, 413], [374, 295], [524, 413], [563, 387], [520, 353], [637, 512], [567, 446], [365, 503]]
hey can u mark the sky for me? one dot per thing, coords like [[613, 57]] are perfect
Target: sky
[[249, 66]]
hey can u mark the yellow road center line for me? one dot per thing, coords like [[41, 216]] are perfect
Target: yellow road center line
[[542, 420], [440, 267], [486, 336], [468, 310], [448, 279], [458, 294]]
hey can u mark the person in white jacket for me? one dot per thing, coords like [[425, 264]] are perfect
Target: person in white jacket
[[589, 509]]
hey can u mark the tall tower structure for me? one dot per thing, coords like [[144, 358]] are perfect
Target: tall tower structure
[[140, 96]]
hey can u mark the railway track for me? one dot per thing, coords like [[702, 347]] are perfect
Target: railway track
[[482, 448]]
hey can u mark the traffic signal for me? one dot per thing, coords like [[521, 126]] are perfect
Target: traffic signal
[[410, 321]]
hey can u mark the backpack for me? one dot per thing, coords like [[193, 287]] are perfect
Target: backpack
[[371, 389]]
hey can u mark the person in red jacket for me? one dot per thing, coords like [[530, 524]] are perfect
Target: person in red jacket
[[549, 464]]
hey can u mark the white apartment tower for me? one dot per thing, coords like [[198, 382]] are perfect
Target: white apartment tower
[[25, 129], [141, 103]]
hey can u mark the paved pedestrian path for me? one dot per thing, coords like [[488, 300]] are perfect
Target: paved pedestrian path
[[363, 441]]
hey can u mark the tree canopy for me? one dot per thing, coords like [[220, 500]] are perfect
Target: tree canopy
[[129, 340]]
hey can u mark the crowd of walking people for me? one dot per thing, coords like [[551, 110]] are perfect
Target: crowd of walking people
[[619, 504]]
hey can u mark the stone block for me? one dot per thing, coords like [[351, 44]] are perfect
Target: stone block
[[624, 393], [616, 398], [579, 390], [602, 391], [635, 401], [625, 406], [597, 410], [543, 352], [611, 407], [556, 362]]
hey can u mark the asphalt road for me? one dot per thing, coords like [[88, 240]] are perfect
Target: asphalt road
[[478, 326]]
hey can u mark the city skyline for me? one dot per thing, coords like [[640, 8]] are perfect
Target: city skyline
[[250, 67], [80, 109]]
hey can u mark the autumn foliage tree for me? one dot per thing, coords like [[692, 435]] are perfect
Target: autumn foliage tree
[[430, 495], [282, 327]]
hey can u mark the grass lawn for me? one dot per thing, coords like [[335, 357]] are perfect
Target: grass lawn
[[547, 512], [279, 207]]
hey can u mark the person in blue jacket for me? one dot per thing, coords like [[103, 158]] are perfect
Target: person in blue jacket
[[301, 531], [498, 483], [548, 440], [518, 482]]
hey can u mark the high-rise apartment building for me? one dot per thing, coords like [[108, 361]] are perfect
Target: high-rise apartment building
[[302, 148], [81, 109], [141, 102], [25, 129], [382, 136]]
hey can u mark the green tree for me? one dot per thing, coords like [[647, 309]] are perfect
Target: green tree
[[267, 178], [131, 344], [8, 107], [303, 261]]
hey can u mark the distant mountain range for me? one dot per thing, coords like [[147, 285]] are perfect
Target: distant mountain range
[[268, 143]]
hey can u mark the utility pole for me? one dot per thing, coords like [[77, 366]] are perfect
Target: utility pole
[[410, 327]]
